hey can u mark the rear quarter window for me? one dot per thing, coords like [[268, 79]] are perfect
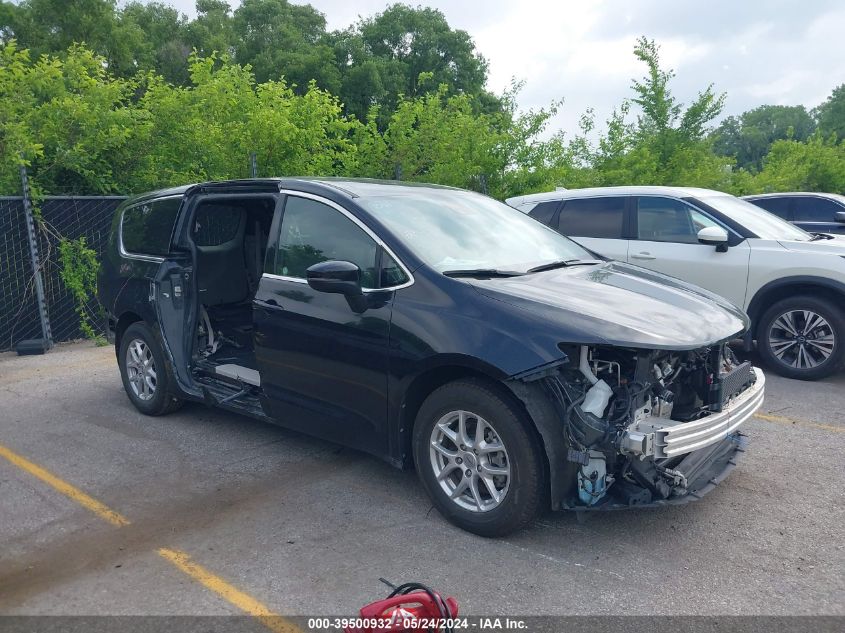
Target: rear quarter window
[[602, 217], [147, 228], [545, 211]]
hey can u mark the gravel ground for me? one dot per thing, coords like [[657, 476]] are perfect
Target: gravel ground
[[306, 527]]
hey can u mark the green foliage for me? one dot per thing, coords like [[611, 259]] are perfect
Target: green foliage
[[666, 144], [283, 40], [831, 114], [817, 165], [384, 56], [370, 63], [78, 271], [749, 136], [82, 130]]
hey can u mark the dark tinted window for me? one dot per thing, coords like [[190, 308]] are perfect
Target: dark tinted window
[[811, 209], [313, 232], [668, 220], [544, 212], [778, 206], [147, 228], [593, 217], [216, 224]]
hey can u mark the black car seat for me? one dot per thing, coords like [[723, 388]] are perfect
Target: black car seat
[[221, 274]]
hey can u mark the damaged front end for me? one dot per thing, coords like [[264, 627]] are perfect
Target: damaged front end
[[640, 427]]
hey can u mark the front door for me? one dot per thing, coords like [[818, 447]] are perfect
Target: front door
[[666, 241], [323, 358]]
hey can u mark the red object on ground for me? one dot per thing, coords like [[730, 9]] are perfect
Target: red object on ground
[[396, 614]]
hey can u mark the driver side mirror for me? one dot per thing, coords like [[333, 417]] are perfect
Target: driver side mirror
[[839, 216], [336, 277], [714, 236]]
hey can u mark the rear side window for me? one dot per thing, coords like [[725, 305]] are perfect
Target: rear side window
[[545, 211], [217, 224], [593, 217], [778, 206], [314, 232], [811, 209], [146, 229]]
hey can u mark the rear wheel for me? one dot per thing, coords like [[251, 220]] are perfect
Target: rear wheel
[[144, 371], [802, 337], [477, 458]]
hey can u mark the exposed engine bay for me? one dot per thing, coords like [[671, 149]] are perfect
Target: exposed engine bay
[[646, 426]]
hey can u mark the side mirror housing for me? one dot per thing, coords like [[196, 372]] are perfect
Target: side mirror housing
[[714, 236], [839, 216], [336, 277]]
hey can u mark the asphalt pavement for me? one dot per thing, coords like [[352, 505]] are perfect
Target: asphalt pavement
[[213, 503]]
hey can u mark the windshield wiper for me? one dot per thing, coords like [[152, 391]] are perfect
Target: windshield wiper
[[820, 236], [563, 263], [482, 273]]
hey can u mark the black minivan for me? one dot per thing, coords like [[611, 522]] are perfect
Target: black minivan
[[431, 327]]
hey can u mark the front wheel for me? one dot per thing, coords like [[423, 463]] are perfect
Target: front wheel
[[477, 458], [802, 337]]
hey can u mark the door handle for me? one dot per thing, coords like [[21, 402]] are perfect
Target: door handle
[[643, 255]]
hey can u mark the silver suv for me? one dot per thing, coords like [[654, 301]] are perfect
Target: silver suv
[[790, 282]]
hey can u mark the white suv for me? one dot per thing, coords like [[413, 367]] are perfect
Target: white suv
[[790, 282]]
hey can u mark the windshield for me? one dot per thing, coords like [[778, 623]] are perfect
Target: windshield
[[763, 224], [463, 231]]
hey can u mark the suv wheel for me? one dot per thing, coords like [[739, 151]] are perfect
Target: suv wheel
[[802, 337], [477, 459], [144, 371]]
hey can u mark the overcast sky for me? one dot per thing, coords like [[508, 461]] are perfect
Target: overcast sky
[[773, 52]]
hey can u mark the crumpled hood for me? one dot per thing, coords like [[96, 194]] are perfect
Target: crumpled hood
[[620, 304]]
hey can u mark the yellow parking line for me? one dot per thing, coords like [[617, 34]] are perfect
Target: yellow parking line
[[181, 560], [86, 501], [782, 420], [242, 601]]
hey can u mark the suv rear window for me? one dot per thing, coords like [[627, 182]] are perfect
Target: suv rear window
[[593, 217], [146, 228]]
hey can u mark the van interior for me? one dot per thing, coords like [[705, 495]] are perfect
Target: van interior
[[230, 237]]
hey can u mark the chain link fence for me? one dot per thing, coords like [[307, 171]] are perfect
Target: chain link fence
[[68, 217]]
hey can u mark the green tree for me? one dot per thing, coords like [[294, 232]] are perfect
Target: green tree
[[17, 99], [817, 165], [749, 136], [831, 114], [211, 31], [667, 142], [383, 57], [279, 39], [164, 47]]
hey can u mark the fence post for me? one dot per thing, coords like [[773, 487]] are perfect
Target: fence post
[[482, 180], [253, 165], [36, 264]]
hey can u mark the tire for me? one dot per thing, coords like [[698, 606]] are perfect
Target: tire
[[802, 337], [148, 392], [504, 425]]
